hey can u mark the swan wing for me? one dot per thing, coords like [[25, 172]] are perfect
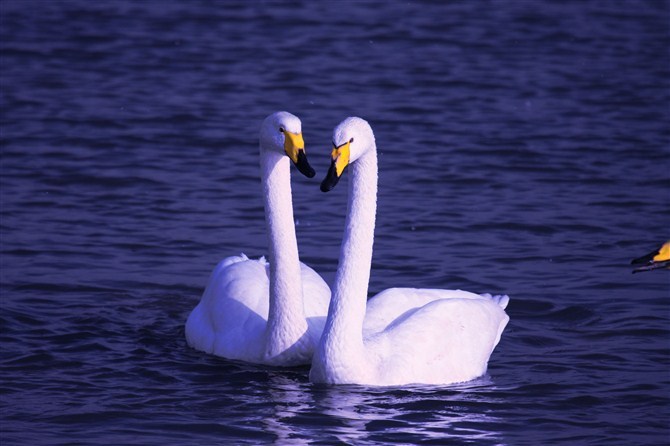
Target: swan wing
[[387, 306], [316, 298], [447, 340], [315, 291], [232, 314], [231, 318]]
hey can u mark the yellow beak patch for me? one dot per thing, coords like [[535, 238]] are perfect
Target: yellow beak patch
[[293, 143], [340, 156], [663, 253]]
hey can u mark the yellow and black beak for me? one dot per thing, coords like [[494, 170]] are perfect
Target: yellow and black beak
[[657, 259], [294, 146], [339, 160]]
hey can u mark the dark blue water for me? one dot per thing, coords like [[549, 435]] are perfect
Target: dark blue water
[[524, 149]]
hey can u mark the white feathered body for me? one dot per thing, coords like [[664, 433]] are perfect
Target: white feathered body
[[232, 316], [402, 335], [259, 312], [423, 336]]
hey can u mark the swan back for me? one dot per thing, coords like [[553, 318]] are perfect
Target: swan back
[[447, 340]]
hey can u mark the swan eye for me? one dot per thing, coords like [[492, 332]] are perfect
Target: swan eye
[[351, 140], [281, 129]]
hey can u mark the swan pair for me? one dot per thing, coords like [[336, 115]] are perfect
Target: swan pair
[[283, 313]]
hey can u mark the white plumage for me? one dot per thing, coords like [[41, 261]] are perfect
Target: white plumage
[[402, 335], [266, 313]]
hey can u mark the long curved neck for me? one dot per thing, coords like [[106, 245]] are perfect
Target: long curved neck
[[344, 326], [286, 319]]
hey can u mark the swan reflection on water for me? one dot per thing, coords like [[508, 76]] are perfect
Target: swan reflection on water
[[354, 414]]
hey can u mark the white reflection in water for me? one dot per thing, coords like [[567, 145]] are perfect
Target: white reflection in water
[[364, 415], [290, 398]]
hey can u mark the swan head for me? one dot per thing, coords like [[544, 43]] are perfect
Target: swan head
[[352, 139], [659, 259], [282, 132]]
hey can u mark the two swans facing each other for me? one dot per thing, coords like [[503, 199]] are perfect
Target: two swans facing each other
[[275, 313], [259, 312], [401, 335]]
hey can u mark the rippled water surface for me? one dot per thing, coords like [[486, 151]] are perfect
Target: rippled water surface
[[524, 149]]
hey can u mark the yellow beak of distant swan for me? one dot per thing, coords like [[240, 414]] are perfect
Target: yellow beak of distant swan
[[654, 260]]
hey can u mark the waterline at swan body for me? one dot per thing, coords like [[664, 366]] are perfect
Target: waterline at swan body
[[259, 312], [231, 319], [401, 335]]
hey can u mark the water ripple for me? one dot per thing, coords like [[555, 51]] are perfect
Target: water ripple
[[523, 149]]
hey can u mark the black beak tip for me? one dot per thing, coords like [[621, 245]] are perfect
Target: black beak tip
[[331, 179], [306, 170], [303, 166], [645, 259]]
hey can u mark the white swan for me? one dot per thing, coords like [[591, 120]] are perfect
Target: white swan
[[406, 335], [255, 312]]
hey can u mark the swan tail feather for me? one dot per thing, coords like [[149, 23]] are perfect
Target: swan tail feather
[[501, 299], [231, 260]]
